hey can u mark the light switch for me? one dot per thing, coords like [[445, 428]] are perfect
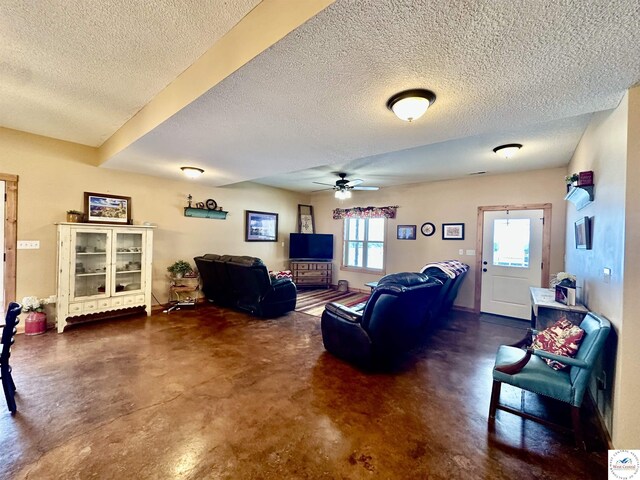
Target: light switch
[[471, 252], [461, 252], [28, 244], [606, 275]]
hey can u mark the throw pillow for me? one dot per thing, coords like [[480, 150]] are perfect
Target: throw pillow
[[561, 338], [281, 274]]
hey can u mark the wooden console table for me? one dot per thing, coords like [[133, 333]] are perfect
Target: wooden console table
[[311, 273], [546, 311]]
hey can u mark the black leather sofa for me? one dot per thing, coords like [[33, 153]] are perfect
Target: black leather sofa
[[244, 283], [392, 321], [451, 273]]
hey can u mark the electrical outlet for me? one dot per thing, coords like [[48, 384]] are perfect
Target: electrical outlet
[[461, 252], [601, 381], [28, 244]]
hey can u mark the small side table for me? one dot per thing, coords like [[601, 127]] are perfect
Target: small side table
[[371, 285], [185, 292], [545, 310]]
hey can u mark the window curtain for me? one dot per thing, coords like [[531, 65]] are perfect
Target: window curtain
[[365, 212]]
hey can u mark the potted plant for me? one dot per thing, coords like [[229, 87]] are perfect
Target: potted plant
[[36, 321], [74, 216], [571, 180], [179, 269]]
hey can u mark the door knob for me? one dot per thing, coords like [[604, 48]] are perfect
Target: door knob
[[484, 263], [484, 269]]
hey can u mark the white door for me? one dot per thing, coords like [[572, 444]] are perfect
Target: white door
[[3, 210], [511, 261]]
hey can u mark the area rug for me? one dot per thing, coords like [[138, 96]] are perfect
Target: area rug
[[312, 302]]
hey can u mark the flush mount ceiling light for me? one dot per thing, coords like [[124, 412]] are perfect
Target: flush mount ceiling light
[[192, 172], [411, 104], [507, 151]]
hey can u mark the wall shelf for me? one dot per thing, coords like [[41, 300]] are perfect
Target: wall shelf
[[580, 196], [205, 213]]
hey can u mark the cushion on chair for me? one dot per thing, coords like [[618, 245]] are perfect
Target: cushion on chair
[[561, 338], [535, 376]]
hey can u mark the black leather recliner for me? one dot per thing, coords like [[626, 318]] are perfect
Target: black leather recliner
[[393, 320], [243, 282]]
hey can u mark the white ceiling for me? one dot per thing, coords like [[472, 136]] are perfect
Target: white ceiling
[[77, 70], [527, 71]]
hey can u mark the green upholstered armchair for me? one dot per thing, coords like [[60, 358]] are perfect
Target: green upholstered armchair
[[526, 369]]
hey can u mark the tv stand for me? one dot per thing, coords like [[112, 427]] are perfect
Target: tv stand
[[311, 273]]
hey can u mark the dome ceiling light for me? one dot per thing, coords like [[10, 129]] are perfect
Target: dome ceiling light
[[192, 172], [507, 151], [411, 104]]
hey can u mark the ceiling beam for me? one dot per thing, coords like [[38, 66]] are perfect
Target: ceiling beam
[[266, 24]]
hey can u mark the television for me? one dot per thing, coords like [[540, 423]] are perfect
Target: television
[[311, 246]]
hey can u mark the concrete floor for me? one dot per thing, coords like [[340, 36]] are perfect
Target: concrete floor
[[213, 393]]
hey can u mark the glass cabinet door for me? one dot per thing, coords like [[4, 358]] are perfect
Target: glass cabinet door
[[129, 262], [91, 256]]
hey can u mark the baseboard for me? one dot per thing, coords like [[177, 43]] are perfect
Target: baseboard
[[593, 410], [463, 309]]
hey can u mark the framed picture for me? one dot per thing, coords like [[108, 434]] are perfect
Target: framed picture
[[305, 219], [261, 226], [406, 232], [107, 208], [453, 231], [583, 233]]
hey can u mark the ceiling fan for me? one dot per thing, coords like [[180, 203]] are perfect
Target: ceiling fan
[[343, 186]]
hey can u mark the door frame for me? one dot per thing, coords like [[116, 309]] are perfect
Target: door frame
[[10, 235], [546, 242]]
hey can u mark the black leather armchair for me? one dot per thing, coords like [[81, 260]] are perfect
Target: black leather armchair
[[393, 320], [244, 282]]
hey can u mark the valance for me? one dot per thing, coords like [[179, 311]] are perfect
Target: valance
[[365, 212]]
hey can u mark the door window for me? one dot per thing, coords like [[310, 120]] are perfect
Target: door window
[[511, 238]]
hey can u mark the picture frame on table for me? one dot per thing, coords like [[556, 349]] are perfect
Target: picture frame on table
[[453, 231], [261, 226], [107, 208], [406, 232]]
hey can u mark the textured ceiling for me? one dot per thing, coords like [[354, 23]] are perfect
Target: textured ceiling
[[318, 96], [77, 70], [503, 71]]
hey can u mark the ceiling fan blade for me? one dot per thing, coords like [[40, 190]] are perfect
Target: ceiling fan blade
[[353, 183], [327, 184], [366, 188], [321, 190]]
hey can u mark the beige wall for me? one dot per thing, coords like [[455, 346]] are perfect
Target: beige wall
[[54, 176], [603, 149], [627, 423], [611, 148], [446, 202]]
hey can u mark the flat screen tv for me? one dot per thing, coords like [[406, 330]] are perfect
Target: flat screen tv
[[311, 246]]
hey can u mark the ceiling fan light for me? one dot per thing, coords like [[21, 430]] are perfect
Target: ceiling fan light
[[507, 151], [192, 172], [411, 104]]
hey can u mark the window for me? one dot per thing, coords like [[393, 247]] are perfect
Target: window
[[511, 242], [363, 245]]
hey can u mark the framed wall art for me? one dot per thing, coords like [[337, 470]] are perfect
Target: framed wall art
[[453, 231], [305, 219], [107, 208], [406, 232], [261, 226], [583, 233]]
